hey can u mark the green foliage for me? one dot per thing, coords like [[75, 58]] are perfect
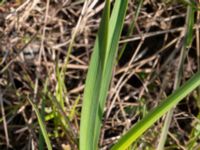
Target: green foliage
[[137, 130], [42, 126], [99, 74]]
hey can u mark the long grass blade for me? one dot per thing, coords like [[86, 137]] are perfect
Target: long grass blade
[[131, 28], [42, 112], [155, 114], [100, 72], [115, 28], [93, 81], [179, 74], [42, 126]]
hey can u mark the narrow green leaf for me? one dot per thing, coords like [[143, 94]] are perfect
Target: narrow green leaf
[[73, 109], [42, 112], [187, 42], [131, 28], [190, 24], [155, 114], [115, 28], [42, 126], [93, 82], [63, 118], [99, 73]]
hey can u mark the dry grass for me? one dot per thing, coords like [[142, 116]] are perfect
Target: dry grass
[[35, 36]]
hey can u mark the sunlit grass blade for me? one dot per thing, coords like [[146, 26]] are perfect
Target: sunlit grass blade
[[60, 87], [42, 126], [99, 73], [73, 109], [115, 28], [137, 130], [93, 84]]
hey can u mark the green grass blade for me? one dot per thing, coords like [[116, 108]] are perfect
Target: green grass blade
[[187, 42], [190, 25], [42, 126], [60, 87], [42, 112], [115, 28], [155, 114], [73, 109], [63, 118], [131, 28], [99, 74], [93, 82]]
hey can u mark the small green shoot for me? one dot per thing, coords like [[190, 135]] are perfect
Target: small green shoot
[[42, 125]]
